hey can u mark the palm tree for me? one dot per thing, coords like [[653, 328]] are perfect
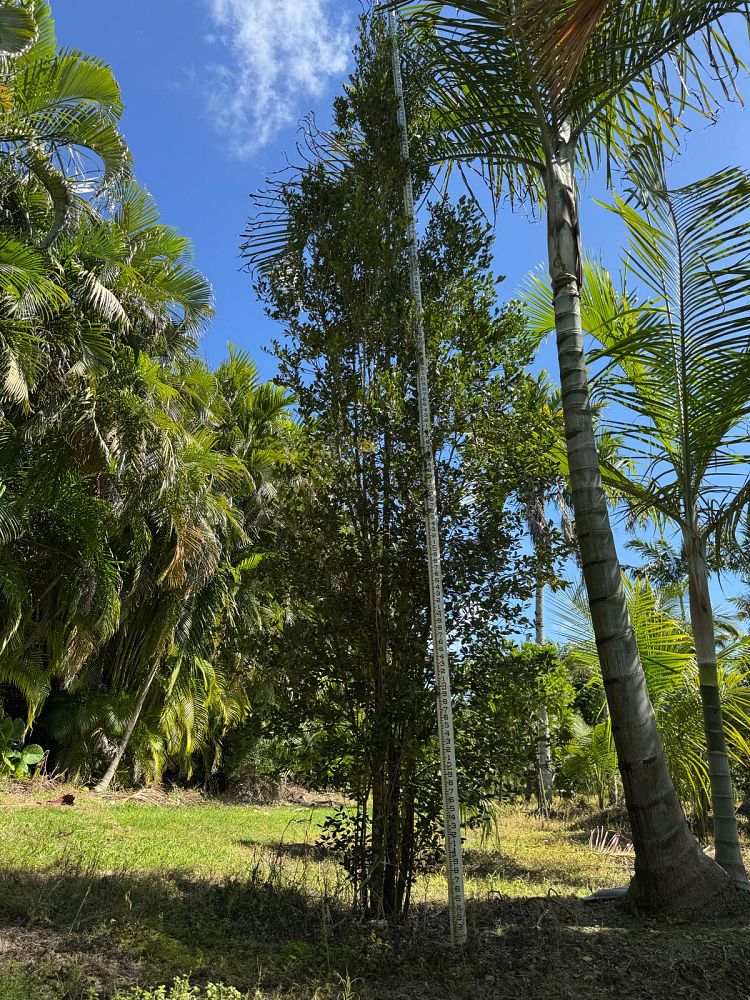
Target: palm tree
[[668, 656], [202, 508], [88, 417], [590, 758], [187, 510], [59, 114], [680, 364], [534, 132], [135, 484]]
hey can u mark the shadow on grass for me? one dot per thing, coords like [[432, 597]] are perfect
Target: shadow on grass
[[484, 863], [127, 928], [293, 849], [75, 928], [264, 905]]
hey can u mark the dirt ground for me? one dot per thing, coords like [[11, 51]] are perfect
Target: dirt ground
[[555, 948]]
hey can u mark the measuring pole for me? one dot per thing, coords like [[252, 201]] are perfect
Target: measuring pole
[[451, 806]]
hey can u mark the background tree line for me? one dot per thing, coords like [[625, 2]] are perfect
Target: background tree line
[[136, 484]]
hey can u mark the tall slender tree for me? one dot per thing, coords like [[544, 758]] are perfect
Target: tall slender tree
[[679, 365], [333, 251], [536, 500], [502, 103], [438, 626]]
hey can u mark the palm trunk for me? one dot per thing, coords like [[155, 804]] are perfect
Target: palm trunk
[[106, 779], [726, 838], [539, 614], [671, 872], [544, 752]]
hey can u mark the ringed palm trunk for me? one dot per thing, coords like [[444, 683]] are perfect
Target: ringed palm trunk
[[122, 746], [671, 872], [544, 753], [726, 837]]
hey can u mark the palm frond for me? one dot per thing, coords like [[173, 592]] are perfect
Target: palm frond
[[17, 29]]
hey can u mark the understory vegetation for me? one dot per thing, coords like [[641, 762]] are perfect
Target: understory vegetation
[[222, 598]]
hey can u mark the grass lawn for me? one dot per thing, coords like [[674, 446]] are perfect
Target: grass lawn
[[105, 896], [206, 840]]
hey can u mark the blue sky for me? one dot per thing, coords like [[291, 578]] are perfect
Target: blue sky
[[214, 91]]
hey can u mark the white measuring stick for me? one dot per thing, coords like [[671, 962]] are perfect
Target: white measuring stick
[[451, 806]]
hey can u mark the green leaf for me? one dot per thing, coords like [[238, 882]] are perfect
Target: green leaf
[[32, 754], [6, 731], [17, 29]]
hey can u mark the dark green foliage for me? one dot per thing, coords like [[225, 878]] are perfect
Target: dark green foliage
[[503, 691], [352, 671], [17, 756]]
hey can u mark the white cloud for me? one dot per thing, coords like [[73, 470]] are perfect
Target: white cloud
[[279, 54]]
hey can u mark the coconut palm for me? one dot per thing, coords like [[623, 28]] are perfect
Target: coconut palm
[[680, 366], [534, 132]]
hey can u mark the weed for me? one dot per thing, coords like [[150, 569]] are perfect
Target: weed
[[182, 990]]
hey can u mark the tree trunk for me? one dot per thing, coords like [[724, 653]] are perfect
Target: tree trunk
[[544, 752], [106, 779], [726, 838], [672, 875], [407, 845]]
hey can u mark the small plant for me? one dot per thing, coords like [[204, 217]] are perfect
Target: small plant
[[347, 991], [182, 990], [591, 759], [15, 758]]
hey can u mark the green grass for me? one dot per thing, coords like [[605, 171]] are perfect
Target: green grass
[[106, 898], [527, 857], [207, 840]]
